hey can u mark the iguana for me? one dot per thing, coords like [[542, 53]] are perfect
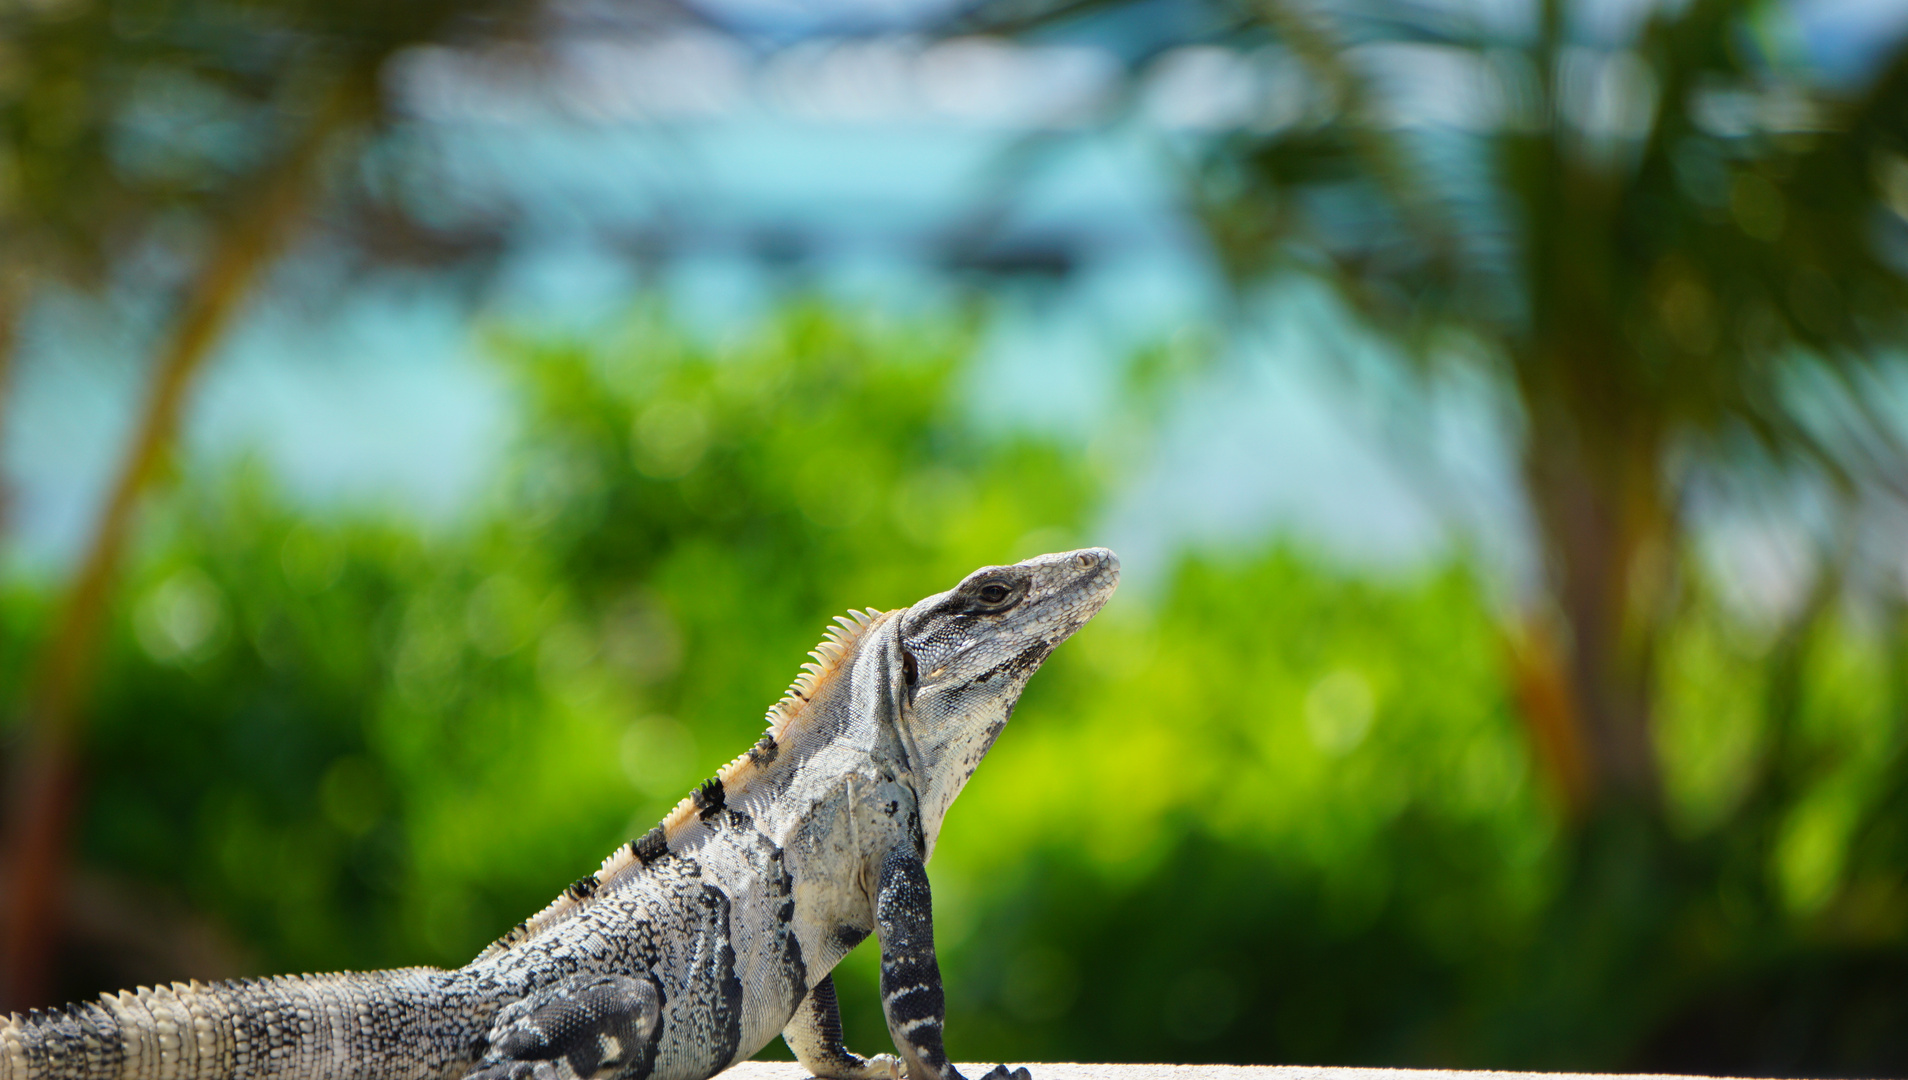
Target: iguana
[[693, 946]]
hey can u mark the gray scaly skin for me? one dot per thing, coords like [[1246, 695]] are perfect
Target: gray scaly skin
[[693, 946]]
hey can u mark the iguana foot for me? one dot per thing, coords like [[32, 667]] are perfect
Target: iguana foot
[[854, 1067], [873, 1067], [584, 1028], [1002, 1072]]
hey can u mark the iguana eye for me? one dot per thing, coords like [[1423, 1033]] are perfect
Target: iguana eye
[[909, 673], [990, 596]]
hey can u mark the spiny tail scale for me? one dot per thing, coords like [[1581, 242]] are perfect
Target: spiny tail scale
[[400, 1025]]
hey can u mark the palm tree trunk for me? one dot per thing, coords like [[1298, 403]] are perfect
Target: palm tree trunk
[[1606, 527], [13, 299], [48, 776]]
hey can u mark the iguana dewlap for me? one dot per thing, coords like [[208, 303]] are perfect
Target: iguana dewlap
[[694, 946]]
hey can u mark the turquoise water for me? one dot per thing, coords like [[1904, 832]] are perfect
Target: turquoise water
[[722, 176]]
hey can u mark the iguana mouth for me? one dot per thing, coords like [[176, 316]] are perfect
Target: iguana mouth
[[1082, 598]]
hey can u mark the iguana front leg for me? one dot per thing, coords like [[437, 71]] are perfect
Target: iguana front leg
[[814, 1035], [911, 994]]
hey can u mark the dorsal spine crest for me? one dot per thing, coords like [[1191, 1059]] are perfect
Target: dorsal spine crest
[[712, 795]]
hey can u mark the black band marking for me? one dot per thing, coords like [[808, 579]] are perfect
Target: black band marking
[[708, 798], [918, 1002], [764, 752], [727, 1006], [654, 845], [794, 966]]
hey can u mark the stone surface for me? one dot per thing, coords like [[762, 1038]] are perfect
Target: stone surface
[[785, 1070]]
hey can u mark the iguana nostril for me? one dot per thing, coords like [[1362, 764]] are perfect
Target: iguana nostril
[[1086, 558]]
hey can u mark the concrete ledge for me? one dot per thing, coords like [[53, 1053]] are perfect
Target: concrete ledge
[[787, 1070]]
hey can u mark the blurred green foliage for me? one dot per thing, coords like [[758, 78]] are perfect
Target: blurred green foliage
[[1272, 811], [1672, 238], [364, 745]]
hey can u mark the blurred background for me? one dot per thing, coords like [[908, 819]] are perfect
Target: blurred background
[[433, 433]]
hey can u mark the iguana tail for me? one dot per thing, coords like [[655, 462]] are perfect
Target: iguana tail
[[407, 1024]]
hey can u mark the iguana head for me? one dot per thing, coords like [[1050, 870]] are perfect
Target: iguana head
[[964, 655]]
